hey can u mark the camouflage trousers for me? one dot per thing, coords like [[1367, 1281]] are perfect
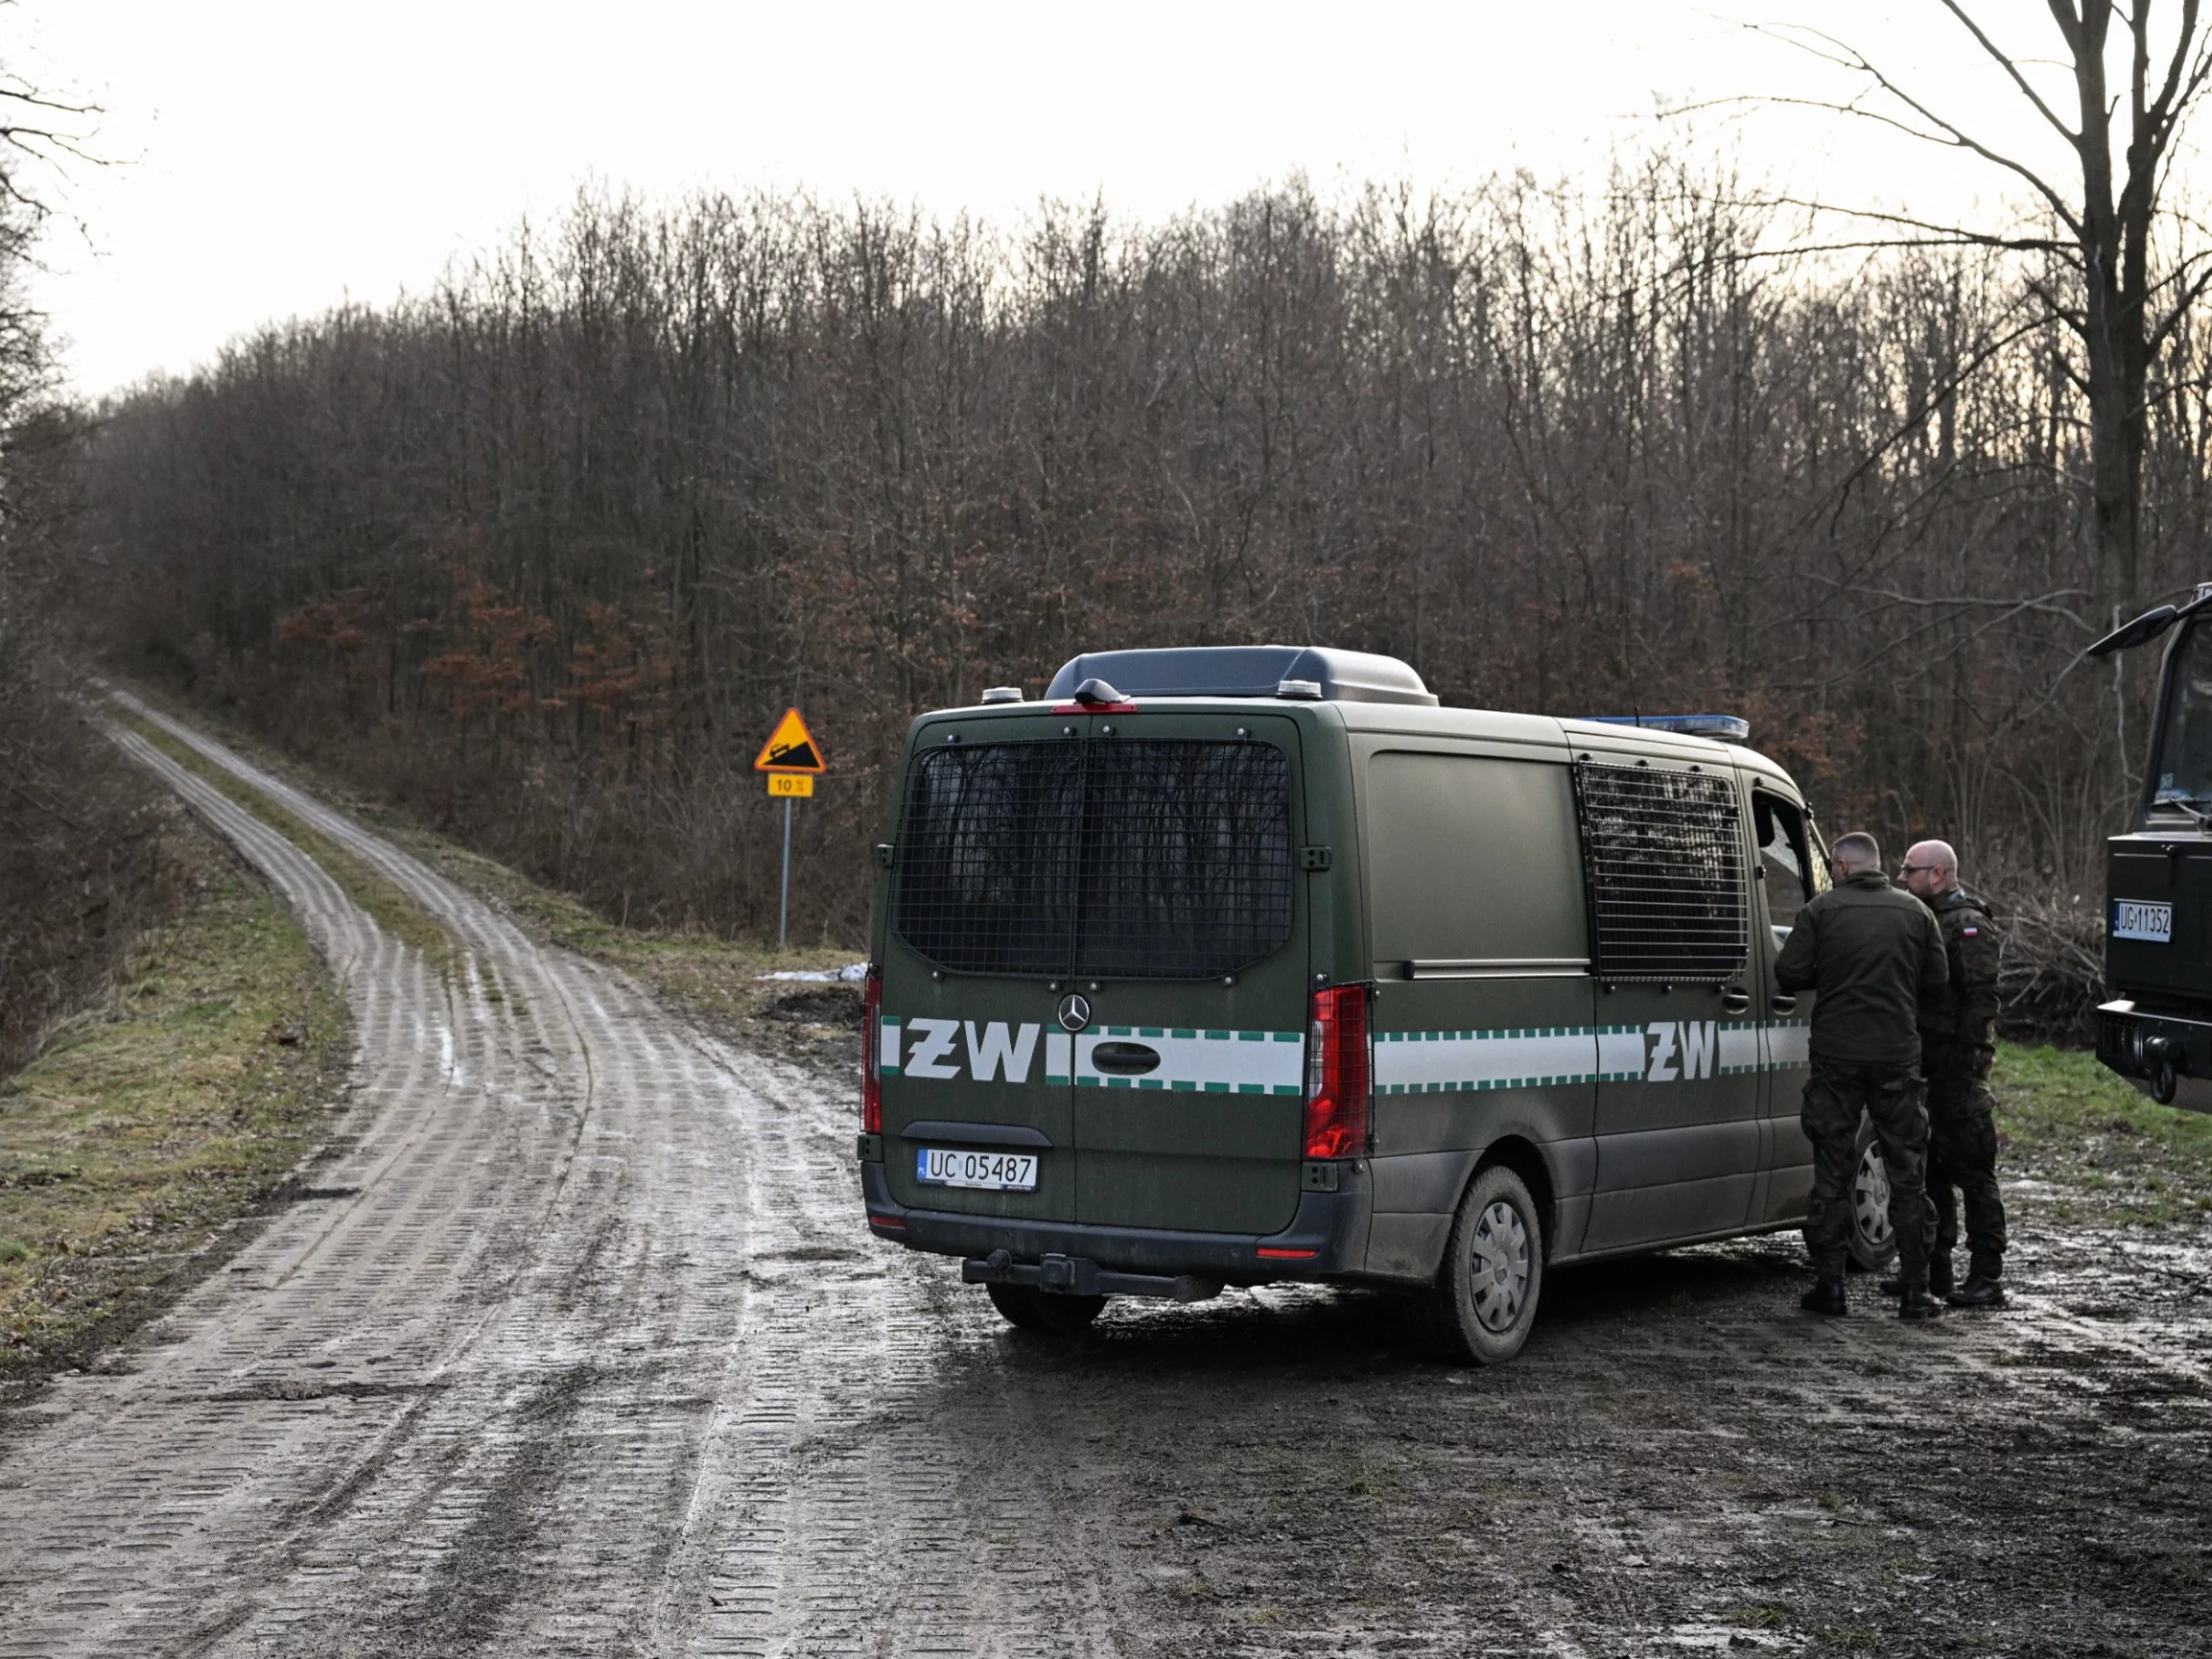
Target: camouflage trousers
[[1963, 1160], [1836, 1096]]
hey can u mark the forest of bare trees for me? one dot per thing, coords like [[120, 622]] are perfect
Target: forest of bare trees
[[543, 553], [81, 866]]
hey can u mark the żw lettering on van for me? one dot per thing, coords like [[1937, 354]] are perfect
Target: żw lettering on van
[[994, 1049], [1696, 1042]]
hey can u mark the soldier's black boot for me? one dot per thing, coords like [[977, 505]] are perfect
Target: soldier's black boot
[[1982, 1289], [1826, 1297], [1939, 1281], [1914, 1303]]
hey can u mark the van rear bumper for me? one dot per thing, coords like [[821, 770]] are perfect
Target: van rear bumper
[[1326, 1237]]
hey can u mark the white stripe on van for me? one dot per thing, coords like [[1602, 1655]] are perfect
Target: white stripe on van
[[1619, 1053], [1193, 1061], [1540, 1056], [1524, 1057], [1239, 1062], [1740, 1047]]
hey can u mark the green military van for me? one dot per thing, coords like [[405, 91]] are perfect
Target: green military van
[[1233, 965]]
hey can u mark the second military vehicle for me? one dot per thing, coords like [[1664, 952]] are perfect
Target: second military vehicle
[[2158, 875], [1224, 967]]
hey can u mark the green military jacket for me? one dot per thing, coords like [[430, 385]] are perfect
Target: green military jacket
[[1965, 1009], [1871, 952]]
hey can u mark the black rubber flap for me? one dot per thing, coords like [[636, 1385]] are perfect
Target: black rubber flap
[[1245, 671]]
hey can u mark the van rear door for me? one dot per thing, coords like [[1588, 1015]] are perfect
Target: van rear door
[[970, 1063], [1189, 1078], [1094, 956]]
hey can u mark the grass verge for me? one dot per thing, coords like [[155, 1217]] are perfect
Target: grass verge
[[155, 1124], [2105, 1151], [395, 911]]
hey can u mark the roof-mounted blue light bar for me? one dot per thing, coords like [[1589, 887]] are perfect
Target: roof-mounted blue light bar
[[1720, 727]]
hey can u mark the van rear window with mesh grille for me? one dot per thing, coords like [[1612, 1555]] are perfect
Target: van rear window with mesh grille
[[1663, 858], [1130, 857]]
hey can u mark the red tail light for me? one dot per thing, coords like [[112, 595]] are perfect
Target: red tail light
[[871, 1054], [1339, 1103]]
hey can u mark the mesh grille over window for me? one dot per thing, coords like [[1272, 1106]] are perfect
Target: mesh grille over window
[[1138, 858], [987, 855], [1664, 852]]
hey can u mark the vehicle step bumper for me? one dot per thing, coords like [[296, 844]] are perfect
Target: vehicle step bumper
[[1326, 1237], [2141, 1044], [1080, 1276]]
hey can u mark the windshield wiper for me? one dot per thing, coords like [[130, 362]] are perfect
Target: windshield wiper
[[2183, 803]]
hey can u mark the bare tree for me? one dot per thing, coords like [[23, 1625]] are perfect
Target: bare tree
[[78, 870], [2101, 237]]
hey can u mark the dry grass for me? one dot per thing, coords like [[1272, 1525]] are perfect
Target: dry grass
[[2052, 977], [152, 1124], [2105, 1151]]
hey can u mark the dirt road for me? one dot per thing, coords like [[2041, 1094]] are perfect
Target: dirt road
[[575, 1344]]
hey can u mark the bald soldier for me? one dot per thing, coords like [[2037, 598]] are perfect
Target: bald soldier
[[1871, 953], [1958, 1040]]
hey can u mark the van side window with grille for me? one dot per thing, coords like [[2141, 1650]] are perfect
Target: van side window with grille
[[1785, 860], [1134, 858], [1665, 854]]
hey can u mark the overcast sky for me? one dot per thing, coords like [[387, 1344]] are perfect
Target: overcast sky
[[277, 157]]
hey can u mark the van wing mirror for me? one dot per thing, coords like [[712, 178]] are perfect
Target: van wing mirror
[[2141, 631]]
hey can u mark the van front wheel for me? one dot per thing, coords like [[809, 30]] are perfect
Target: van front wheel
[[1873, 1244], [1492, 1274]]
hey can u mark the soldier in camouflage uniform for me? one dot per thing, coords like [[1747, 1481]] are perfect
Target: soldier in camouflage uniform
[[1958, 1037], [1871, 952]]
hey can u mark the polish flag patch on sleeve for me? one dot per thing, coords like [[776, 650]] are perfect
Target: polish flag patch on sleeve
[[1972, 932]]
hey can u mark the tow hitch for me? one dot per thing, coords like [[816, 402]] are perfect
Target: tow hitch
[[1081, 1276]]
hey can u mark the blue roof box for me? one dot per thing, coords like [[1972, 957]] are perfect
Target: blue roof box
[[1721, 727], [1304, 672]]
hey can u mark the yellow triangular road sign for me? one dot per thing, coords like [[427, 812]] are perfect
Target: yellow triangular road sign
[[791, 748]]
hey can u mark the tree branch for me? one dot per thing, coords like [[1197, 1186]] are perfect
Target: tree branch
[[2158, 336], [1950, 234], [1948, 134], [2013, 69], [2163, 109]]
